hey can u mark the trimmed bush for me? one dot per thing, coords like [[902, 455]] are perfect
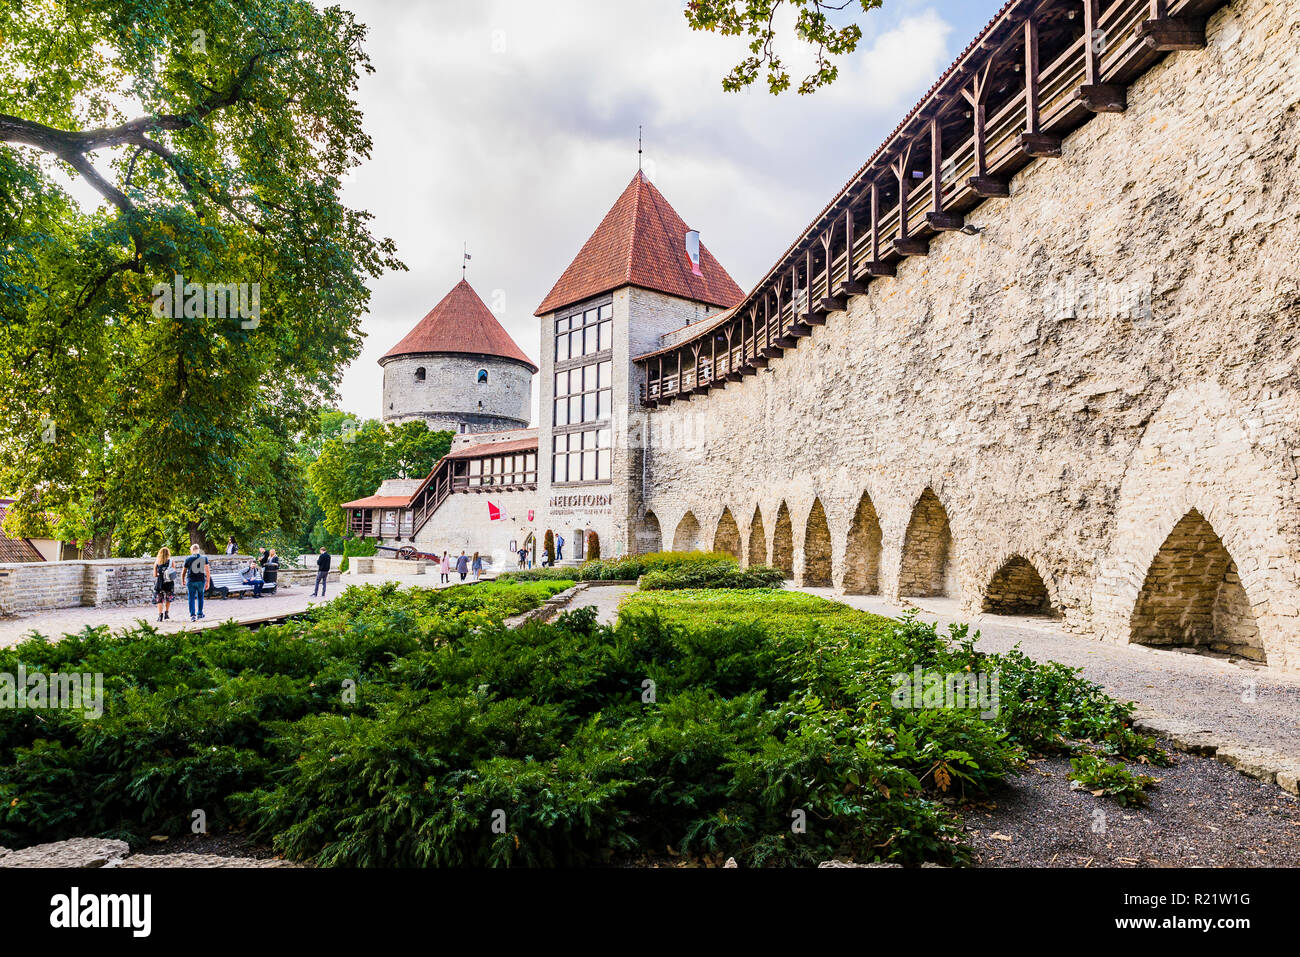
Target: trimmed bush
[[714, 575], [628, 568]]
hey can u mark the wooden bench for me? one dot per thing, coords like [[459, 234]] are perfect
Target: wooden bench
[[225, 584]]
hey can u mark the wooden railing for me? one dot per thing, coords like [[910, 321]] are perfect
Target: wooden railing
[[767, 322]]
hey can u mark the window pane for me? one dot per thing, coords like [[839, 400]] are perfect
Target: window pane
[[575, 409], [559, 469], [591, 315], [561, 348], [575, 344], [604, 409], [561, 382], [606, 370], [602, 464], [588, 466], [607, 335], [561, 408], [589, 408], [607, 312], [588, 378], [603, 438]]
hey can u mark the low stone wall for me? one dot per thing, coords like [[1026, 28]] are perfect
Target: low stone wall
[[41, 586], [378, 565], [289, 577]]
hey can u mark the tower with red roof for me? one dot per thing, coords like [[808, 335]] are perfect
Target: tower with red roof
[[458, 370]]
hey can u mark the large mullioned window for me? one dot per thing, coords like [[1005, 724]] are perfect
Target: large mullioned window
[[583, 391]]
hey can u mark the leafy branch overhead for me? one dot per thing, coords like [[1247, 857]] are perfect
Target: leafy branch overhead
[[218, 136], [757, 20]]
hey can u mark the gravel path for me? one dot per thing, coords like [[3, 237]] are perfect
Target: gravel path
[[1201, 814], [1249, 705]]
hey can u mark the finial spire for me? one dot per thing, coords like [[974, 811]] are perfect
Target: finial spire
[[638, 148], [465, 257]]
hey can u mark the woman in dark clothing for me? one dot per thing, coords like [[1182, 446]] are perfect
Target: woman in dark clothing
[[462, 566], [163, 586]]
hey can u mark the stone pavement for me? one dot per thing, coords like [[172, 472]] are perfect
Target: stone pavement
[[1245, 716], [288, 601]]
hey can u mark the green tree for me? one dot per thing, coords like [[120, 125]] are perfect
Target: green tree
[[353, 464], [217, 135], [756, 19]]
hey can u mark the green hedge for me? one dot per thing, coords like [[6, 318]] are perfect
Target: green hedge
[[628, 568], [395, 727], [720, 574]]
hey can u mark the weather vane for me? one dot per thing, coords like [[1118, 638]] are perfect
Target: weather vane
[[465, 257], [638, 147]]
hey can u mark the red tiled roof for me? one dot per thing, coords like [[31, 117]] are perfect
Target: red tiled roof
[[494, 448], [460, 323], [641, 242], [15, 549], [379, 501]]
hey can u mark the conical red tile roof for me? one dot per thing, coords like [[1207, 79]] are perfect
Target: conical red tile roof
[[460, 323], [641, 242]]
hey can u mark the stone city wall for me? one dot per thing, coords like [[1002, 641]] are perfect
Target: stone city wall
[[1090, 408]]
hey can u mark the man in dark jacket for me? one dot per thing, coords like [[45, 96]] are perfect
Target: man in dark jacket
[[322, 572]]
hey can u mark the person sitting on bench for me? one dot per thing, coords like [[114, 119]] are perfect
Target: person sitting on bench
[[250, 576]]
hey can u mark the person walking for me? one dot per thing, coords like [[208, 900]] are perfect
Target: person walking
[[523, 558], [462, 566], [231, 547], [322, 572], [164, 583], [477, 565], [198, 577], [445, 568], [559, 548]]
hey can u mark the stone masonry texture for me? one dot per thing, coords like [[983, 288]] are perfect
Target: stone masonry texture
[[1090, 409]]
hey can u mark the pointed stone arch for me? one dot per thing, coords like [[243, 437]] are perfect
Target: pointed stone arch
[[757, 552], [928, 562], [783, 542], [1193, 598], [817, 548], [649, 537], [727, 536], [1017, 588], [687, 536], [862, 556]]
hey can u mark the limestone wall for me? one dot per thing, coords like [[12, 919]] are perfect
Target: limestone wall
[[41, 586], [1118, 348], [450, 394]]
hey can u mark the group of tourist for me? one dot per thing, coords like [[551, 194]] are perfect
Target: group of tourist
[[196, 575], [463, 565]]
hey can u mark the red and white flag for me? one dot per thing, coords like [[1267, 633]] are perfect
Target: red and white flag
[[497, 513], [693, 251]]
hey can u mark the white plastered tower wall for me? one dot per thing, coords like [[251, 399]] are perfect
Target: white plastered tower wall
[[611, 509]]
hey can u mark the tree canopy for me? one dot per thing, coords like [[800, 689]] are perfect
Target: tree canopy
[[217, 135], [757, 18], [352, 464]]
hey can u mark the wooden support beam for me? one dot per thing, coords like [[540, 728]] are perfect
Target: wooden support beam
[[910, 246], [945, 222], [902, 173], [1103, 97], [977, 95], [881, 268], [1173, 33], [851, 288], [1034, 141], [835, 304], [1095, 95], [875, 225], [850, 266]]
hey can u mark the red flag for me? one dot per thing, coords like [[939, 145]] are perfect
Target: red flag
[[496, 513]]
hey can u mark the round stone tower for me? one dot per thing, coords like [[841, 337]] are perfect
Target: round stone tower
[[459, 370]]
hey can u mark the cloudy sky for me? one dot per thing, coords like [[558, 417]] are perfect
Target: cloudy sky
[[511, 126]]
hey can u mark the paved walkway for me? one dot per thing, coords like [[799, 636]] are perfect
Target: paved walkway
[[1192, 694], [605, 599], [287, 601]]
